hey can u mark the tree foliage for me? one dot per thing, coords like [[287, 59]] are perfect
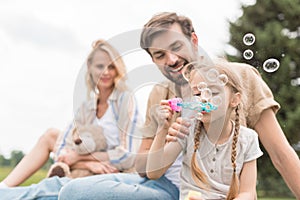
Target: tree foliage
[[276, 27]]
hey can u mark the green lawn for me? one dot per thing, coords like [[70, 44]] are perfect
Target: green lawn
[[274, 199], [39, 175]]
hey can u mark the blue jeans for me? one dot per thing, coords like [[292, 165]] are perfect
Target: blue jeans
[[119, 186], [47, 189]]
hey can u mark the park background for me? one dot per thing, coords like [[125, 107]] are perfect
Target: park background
[[43, 45]]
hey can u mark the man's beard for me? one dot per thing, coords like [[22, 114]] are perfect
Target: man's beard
[[179, 80]]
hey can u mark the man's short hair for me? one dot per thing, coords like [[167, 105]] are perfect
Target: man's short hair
[[159, 23]]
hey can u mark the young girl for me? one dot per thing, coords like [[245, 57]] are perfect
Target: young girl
[[219, 155]]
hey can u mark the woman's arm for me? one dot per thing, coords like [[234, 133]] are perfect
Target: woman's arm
[[96, 167], [248, 181], [282, 154], [70, 157]]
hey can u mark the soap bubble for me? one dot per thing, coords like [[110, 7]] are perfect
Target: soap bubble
[[201, 86], [206, 94], [216, 100], [249, 39], [222, 79], [199, 116], [212, 75], [248, 54], [271, 65]]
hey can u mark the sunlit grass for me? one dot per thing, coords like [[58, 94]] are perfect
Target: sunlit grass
[[41, 174], [37, 177], [275, 199]]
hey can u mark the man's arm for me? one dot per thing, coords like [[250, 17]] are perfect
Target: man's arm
[[141, 158], [282, 154]]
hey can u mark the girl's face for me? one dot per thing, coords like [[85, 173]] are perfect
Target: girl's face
[[212, 92], [102, 70]]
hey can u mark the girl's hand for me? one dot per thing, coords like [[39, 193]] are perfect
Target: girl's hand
[[194, 195], [178, 129], [165, 114], [195, 198]]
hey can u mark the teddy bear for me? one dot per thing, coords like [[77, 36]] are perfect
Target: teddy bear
[[85, 140]]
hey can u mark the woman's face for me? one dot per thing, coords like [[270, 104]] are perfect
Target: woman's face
[[102, 70]]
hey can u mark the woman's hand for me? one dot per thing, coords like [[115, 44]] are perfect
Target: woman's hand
[[101, 167], [69, 157], [178, 129]]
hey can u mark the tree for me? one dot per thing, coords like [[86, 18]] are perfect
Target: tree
[[4, 161], [276, 27], [15, 157]]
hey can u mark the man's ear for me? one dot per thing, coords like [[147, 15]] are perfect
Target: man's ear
[[194, 40], [236, 99]]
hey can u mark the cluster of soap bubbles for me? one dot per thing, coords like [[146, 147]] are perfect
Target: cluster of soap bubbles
[[212, 75], [270, 65], [248, 40]]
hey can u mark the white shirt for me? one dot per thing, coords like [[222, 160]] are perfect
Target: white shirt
[[215, 162], [110, 128]]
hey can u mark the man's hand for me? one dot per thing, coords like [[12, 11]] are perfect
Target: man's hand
[[178, 129]]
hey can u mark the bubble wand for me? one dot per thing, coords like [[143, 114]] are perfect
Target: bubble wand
[[177, 104]]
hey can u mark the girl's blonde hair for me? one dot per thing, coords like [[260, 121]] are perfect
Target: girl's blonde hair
[[200, 178], [117, 61]]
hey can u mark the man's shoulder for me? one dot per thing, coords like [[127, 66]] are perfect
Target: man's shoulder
[[243, 68]]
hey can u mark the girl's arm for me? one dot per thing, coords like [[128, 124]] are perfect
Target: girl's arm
[[162, 156], [248, 181]]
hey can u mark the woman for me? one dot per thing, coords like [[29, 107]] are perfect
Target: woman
[[113, 108]]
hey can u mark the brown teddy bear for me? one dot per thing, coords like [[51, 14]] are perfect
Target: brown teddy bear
[[85, 140]]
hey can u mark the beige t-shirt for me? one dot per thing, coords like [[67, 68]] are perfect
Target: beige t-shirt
[[259, 98]]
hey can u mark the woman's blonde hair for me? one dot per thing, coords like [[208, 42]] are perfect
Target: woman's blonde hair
[[200, 178], [117, 61]]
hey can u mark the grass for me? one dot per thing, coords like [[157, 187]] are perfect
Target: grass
[[39, 175], [275, 199]]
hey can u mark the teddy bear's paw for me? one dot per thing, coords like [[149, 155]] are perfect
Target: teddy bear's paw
[[57, 171]]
